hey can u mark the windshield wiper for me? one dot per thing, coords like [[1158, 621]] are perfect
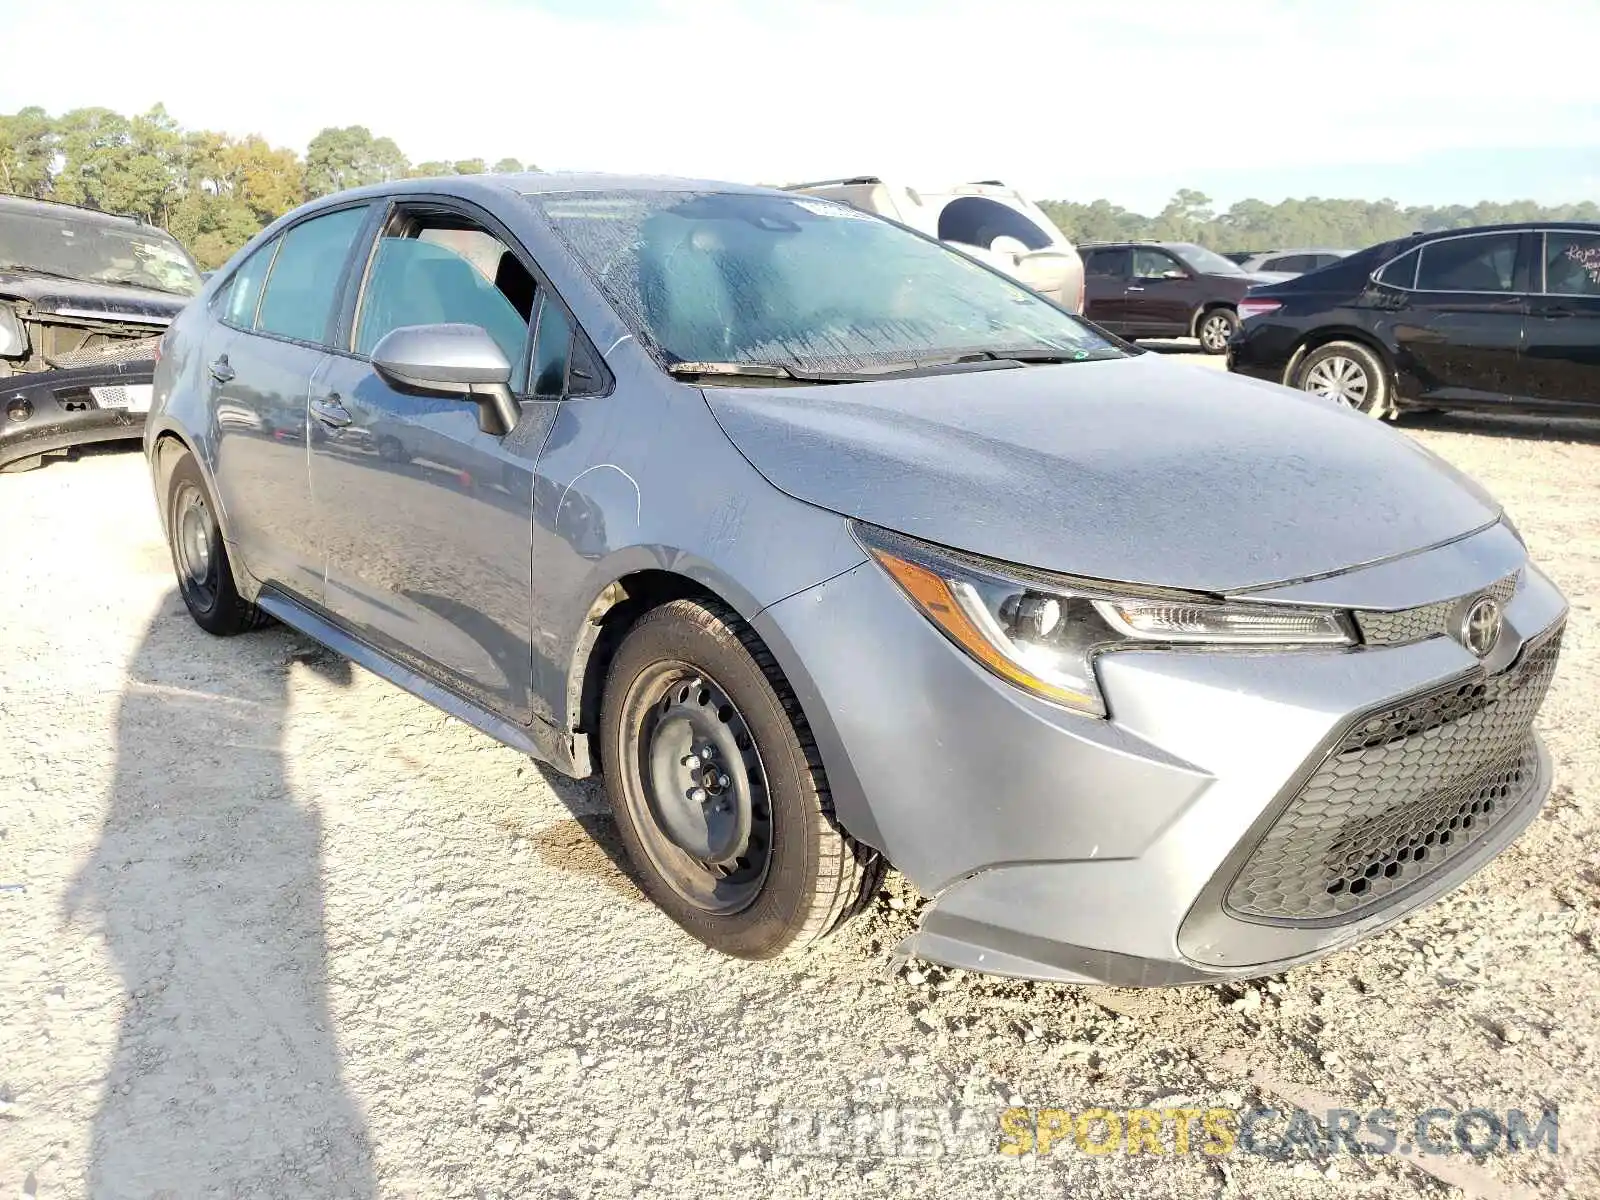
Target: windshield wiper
[[40, 271], [938, 366]]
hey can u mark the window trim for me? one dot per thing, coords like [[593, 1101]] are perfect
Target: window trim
[[1420, 246], [338, 288], [1544, 261], [392, 205]]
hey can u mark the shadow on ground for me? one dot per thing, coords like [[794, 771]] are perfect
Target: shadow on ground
[[207, 885]]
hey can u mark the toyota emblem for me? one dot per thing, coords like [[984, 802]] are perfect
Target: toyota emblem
[[1480, 627]]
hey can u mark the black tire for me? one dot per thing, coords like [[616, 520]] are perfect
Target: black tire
[[695, 665], [1214, 327], [199, 557], [1347, 373]]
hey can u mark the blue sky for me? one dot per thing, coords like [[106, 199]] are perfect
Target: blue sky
[[1423, 101]]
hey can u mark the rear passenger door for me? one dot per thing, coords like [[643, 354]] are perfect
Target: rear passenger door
[[1562, 350], [1105, 284], [261, 358], [1460, 337]]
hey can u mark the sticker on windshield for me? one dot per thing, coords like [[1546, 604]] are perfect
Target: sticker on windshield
[[827, 208]]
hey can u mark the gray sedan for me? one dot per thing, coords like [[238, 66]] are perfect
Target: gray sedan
[[830, 547]]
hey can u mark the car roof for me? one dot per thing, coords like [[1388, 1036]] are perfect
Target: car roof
[[58, 208]]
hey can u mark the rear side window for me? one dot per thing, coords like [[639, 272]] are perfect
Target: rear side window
[[1289, 262], [238, 302], [552, 351], [1485, 263], [978, 221], [1402, 272], [1108, 262], [301, 290], [1572, 264]]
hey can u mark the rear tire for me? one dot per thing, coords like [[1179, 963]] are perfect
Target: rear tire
[[739, 845], [199, 557], [1349, 374], [1214, 328]]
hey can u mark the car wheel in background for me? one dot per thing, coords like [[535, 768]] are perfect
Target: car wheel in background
[[205, 577], [718, 789], [1348, 374], [1216, 326]]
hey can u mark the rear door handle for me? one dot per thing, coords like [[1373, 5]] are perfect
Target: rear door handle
[[330, 412], [1133, 287], [220, 370]]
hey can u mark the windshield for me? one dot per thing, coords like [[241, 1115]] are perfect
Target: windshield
[[1207, 262], [798, 282], [91, 250]]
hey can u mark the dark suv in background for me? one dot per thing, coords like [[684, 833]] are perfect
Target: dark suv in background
[[1165, 290], [84, 298], [1497, 317]]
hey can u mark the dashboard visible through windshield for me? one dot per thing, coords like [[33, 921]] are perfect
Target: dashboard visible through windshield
[[801, 284]]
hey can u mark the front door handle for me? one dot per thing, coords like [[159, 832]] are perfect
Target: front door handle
[[220, 370], [1134, 287], [330, 412]]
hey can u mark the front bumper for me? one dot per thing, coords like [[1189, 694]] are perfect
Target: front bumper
[[1067, 848], [60, 409]]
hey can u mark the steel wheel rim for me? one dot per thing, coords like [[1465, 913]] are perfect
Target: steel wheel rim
[[1214, 333], [194, 536], [1340, 379], [704, 821]]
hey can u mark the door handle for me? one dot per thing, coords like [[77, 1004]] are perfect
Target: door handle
[[220, 370], [1559, 312], [1134, 287], [330, 412]]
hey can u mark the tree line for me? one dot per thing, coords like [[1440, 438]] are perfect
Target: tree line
[[1257, 225], [211, 190], [214, 191]]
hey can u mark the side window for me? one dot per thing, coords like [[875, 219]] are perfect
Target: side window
[[1113, 263], [978, 221], [236, 304], [1155, 264], [1484, 263], [1291, 262], [443, 270], [552, 351], [301, 290], [1401, 272], [1572, 264]]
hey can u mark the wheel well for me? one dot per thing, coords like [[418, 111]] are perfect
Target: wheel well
[[166, 447], [1208, 306], [1318, 338], [615, 611]]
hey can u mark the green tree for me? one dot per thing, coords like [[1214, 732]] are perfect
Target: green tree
[[351, 157], [470, 166], [509, 166], [27, 152]]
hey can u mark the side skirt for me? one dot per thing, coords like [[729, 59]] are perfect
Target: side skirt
[[566, 752]]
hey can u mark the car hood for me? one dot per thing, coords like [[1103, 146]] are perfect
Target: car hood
[[1135, 470], [83, 298]]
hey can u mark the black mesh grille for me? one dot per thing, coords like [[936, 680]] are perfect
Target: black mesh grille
[[1424, 621], [1402, 794]]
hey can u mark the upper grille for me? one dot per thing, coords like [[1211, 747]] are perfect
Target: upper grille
[[1424, 621], [1403, 792]]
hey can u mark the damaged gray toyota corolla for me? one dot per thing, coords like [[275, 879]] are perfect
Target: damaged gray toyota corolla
[[831, 547]]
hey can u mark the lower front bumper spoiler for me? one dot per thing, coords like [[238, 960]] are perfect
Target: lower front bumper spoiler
[[56, 410], [966, 927]]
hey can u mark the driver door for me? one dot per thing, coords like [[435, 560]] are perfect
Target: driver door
[[1161, 296]]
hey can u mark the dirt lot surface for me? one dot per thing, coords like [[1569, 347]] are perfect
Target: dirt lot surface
[[270, 927]]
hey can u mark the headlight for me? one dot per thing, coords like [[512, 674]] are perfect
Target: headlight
[[1043, 632], [13, 337]]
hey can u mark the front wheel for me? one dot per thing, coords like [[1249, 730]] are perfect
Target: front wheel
[[1349, 374], [1215, 328], [718, 789]]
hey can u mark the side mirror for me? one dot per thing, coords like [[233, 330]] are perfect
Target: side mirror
[[458, 360]]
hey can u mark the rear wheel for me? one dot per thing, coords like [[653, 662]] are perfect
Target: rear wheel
[[1215, 328], [718, 789], [205, 576], [1349, 374]]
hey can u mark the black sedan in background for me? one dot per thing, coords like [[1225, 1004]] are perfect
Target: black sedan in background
[[1502, 317]]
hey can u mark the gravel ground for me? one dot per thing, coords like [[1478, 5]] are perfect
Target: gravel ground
[[270, 927]]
